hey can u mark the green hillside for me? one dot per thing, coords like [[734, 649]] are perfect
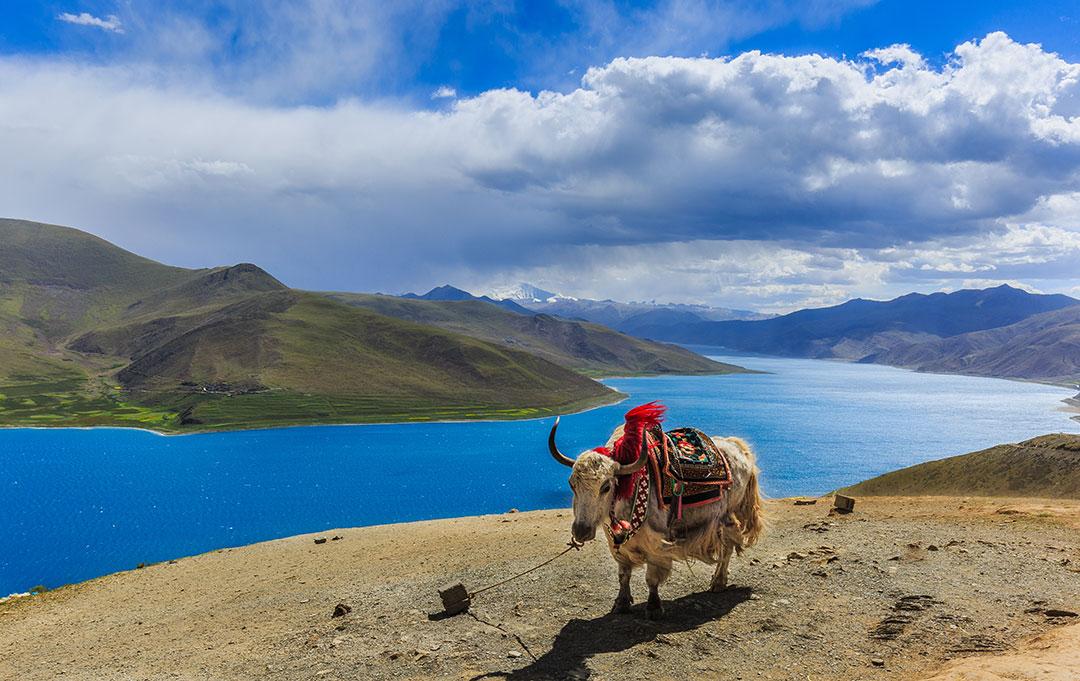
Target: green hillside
[[583, 346], [93, 335], [1045, 466]]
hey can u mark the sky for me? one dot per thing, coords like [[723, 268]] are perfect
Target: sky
[[769, 156]]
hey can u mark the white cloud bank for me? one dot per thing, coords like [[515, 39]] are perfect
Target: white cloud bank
[[840, 176], [110, 23]]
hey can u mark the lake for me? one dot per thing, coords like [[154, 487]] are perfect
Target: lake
[[76, 504]]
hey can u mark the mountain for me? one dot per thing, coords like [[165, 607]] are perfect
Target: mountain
[[633, 317], [582, 346], [451, 293], [1045, 466], [523, 292], [1043, 347], [861, 328], [91, 334]]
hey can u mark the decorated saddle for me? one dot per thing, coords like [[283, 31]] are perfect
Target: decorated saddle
[[687, 466]]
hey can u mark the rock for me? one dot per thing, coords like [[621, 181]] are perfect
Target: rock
[[335, 538], [341, 609], [1059, 613], [455, 598], [805, 502], [932, 547], [796, 555], [877, 662], [320, 540], [513, 510], [514, 653]]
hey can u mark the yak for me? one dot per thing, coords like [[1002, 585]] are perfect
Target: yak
[[606, 481]]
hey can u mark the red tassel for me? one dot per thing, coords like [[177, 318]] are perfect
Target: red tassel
[[628, 447]]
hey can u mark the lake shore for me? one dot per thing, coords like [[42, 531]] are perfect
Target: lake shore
[[972, 577], [576, 408]]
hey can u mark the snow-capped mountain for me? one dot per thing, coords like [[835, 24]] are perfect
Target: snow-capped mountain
[[523, 292]]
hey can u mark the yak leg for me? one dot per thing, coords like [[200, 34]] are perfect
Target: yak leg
[[719, 578], [655, 575], [624, 600]]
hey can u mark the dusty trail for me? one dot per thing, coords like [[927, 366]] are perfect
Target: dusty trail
[[895, 590]]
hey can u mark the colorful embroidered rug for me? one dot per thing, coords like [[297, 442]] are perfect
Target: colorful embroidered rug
[[690, 466]]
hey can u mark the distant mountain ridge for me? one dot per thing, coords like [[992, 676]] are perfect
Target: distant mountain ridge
[[1045, 346], [447, 292], [907, 331], [631, 317]]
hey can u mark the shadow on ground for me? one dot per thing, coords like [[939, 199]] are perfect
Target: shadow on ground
[[579, 640]]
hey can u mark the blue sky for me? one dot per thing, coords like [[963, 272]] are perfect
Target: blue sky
[[630, 150]]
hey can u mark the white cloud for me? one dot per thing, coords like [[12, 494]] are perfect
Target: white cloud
[[110, 23], [444, 92], [900, 53], [775, 180]]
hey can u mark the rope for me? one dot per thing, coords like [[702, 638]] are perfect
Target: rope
[[571, 546]]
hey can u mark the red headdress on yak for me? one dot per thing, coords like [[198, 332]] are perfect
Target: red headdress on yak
[[628, 447]]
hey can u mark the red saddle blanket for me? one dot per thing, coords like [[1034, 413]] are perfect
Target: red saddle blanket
[[686, 463]]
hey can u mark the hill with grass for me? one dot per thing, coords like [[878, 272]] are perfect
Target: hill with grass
[[1045, 466], [582, 346], [91, 334]]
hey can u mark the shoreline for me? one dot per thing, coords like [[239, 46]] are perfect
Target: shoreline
[[1072, 403], [622, 397]]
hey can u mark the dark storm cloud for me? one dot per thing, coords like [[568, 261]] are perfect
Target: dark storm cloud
[[834, 161]]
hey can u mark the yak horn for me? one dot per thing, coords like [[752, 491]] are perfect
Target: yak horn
[[629, 468], [559, 456]]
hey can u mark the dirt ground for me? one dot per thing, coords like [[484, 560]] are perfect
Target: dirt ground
[[903, 588]]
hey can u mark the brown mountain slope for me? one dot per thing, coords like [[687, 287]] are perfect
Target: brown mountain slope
[[583, 346], [1045, 347], [1045, 466], [93, 335]]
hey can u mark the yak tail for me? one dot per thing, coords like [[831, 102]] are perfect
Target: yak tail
[[748, 511]]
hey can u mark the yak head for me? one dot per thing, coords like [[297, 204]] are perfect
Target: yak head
[[595, 474]]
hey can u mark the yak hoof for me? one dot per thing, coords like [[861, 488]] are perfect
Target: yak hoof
[[718, 587], [654, 608], [622, 606]]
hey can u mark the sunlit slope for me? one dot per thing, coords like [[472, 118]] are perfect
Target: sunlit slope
[[584, 346], [1045, 466], [91, 334]]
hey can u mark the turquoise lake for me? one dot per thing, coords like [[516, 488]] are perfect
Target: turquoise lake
[[76, 504]]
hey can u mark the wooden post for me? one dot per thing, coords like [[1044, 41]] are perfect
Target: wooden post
[[844, 504]]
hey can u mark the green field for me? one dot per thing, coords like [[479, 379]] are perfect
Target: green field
[[75, 403]]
